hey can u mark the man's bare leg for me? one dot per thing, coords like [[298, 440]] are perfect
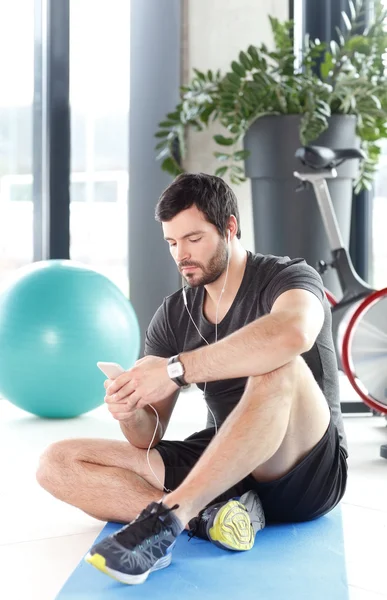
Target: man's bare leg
[[109, 480], [281, 416]]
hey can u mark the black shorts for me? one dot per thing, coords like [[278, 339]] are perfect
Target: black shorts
[[311, 489]]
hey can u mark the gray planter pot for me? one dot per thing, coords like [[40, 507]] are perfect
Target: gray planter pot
[[286, 222]]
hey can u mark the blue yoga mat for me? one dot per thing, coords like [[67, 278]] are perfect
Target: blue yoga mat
[[288, 562]]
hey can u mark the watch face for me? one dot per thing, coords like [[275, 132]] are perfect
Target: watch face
[[175, 370]]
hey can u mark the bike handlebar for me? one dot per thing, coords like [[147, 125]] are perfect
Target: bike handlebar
[[323, 158]]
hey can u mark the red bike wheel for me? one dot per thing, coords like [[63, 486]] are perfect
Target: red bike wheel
[[331, 298], [364, 350]]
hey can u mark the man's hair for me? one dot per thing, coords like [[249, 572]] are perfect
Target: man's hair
[[211, 195]]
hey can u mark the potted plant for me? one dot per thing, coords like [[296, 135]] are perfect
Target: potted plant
[[352, 80], [268, 106]]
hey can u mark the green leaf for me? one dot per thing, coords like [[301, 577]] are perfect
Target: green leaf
[[221, 156], [233, 128], [167, 124], [254, 55], [262, 79], [377, 102], [241, 154], [346, 20], [237, 175], [199, 74], [232, 81], [323, 108], [234, 78], [245, 61], [238, 69], [175, 116], [237, 169], [165, 152], [162, 134], [220, 171], [162, 144], [340, 36], [223, 141], [358, 43], [171, 166], [229, 96], [352, 10], [205, 115], [335, 48], [327, 66]]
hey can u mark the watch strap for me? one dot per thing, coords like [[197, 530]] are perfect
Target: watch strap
[[180, 381]]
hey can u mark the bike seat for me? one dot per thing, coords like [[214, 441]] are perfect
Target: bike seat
[[319, 157]]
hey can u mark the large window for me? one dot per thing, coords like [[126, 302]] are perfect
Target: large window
[[16, 98], [99, 98]]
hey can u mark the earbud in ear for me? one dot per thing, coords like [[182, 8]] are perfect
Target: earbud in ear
[[229, 236]]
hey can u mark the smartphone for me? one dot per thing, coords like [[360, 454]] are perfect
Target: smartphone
[[112, 370]]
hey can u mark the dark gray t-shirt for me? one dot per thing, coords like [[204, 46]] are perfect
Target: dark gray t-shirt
[[266, 277]]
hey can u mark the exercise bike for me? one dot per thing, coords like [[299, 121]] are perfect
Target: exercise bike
[[359, 318]]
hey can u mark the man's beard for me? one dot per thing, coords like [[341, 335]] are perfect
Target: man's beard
[[210, 273]]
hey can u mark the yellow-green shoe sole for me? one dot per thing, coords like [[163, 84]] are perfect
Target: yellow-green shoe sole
[[232, 528], [99, 562]]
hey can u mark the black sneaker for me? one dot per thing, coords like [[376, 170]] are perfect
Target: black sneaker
[[143, 546], [231, 524]]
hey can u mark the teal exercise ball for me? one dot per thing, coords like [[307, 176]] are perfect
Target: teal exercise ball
[[58, 318]]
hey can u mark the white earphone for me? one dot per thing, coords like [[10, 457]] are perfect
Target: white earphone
[[216, 318], [204, 339]]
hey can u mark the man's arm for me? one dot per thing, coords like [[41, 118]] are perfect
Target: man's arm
[[139, 428], [266, 344]]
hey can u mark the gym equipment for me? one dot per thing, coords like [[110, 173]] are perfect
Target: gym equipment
[[359, 318], [304, 560], [58, 318]]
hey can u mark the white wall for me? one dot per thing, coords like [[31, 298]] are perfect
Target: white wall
[[214, 33]]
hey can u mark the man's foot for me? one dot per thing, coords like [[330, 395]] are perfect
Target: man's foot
[[143, 546], [232, 524]]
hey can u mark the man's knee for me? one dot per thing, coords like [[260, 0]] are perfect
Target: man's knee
[[282, 381], [54, 460]]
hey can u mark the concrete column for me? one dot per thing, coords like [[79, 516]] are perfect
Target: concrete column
[[154, 91]]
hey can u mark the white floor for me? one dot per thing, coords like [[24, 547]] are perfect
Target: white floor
[[42, 540]]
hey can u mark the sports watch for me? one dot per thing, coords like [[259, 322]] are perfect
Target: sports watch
[[175, 370]]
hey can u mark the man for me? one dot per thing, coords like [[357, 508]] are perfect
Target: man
[[274, 437]]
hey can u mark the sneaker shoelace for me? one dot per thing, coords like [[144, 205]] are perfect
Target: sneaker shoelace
[[149, 522], [199, 525]]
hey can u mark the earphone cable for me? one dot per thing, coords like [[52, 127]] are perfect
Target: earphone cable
[[205, 385]]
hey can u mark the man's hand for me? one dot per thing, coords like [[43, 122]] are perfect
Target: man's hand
[[146, 383], [118, 410]]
